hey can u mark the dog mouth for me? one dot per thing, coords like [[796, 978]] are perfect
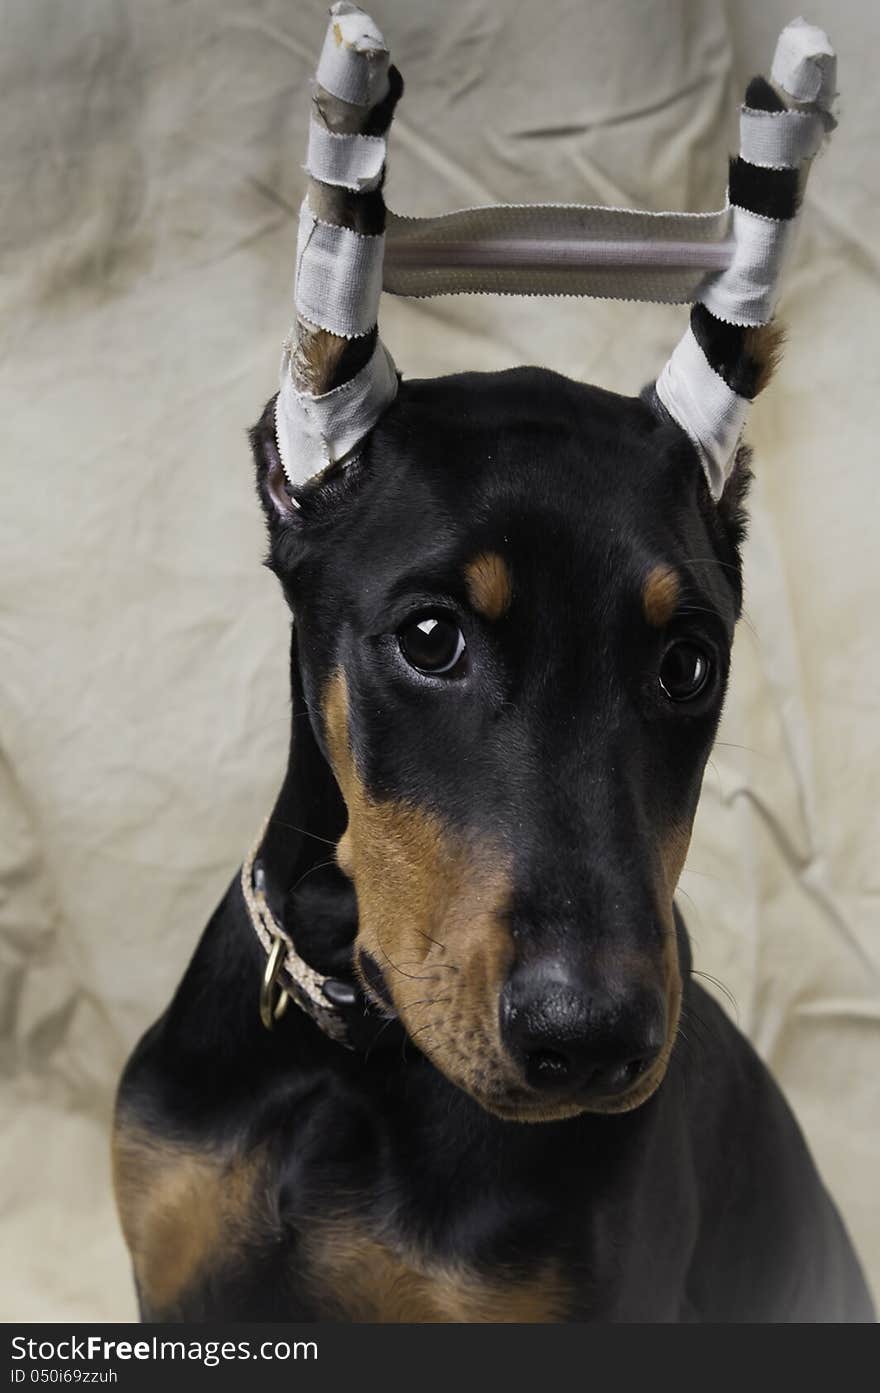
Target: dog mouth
[[373, 979], [521, 1104], [495, 1088], [495, 1085]]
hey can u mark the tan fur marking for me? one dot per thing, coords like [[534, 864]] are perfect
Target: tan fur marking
[[431, 913], [764, 345], [673, 853], [489, 584], [181, 1211], [317, 358], [343, 855], [366, 1280], [432, 916], [660, 595]]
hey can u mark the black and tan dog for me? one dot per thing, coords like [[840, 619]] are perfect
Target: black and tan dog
[[502, 707], [505, 1098]]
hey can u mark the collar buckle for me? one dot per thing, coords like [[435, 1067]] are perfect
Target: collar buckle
[[335, 1004], [273, 997], [286, 974]]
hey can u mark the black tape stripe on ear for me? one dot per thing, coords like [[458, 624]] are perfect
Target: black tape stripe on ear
[[772, 193]]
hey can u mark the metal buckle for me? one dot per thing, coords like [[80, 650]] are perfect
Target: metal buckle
[[272, 1007]]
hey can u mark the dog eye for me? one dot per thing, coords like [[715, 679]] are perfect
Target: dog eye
[[684, 671], [433, 644]]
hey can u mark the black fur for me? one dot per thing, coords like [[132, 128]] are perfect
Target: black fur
[[760, 96]]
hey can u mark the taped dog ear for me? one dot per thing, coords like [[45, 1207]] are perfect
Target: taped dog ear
[[731, 346], [336, 375]]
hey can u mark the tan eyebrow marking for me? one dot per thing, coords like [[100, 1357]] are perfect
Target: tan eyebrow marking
[[660, 595], [489, 584]]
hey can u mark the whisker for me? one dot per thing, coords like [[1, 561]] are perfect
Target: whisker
[[411, 1035], [432, 1025], [391, 1020], [435, 941], [413, 976], [318, 866], [702, 1028], [426, 1001], [710, 764], [408, 1038], [696, 909], [277, 822], [696, 609], [440, 967], [721, 987], [368, 1051], [711, 561]]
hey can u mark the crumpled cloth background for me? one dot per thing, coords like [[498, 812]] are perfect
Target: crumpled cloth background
[[151, 173]]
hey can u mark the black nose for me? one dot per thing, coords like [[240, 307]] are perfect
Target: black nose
[[573, 1036]]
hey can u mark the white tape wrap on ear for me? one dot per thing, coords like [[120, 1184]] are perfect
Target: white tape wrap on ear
[[701, 401], [746, 293], [352, 35], [730, 262], [338, 276], [338, 271], [779, 139], [805, 64], [321, 430], [347, 161]]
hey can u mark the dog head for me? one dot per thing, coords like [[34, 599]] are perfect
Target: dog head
[[514, 600], [513, 619]]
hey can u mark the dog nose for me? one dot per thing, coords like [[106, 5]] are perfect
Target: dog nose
[[572, 1037]]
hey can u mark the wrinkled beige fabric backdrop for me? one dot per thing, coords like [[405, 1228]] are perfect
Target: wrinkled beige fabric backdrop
[[150, 176]]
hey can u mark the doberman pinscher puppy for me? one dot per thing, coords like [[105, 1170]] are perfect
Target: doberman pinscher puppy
[[500, 1094], [513, 622]]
